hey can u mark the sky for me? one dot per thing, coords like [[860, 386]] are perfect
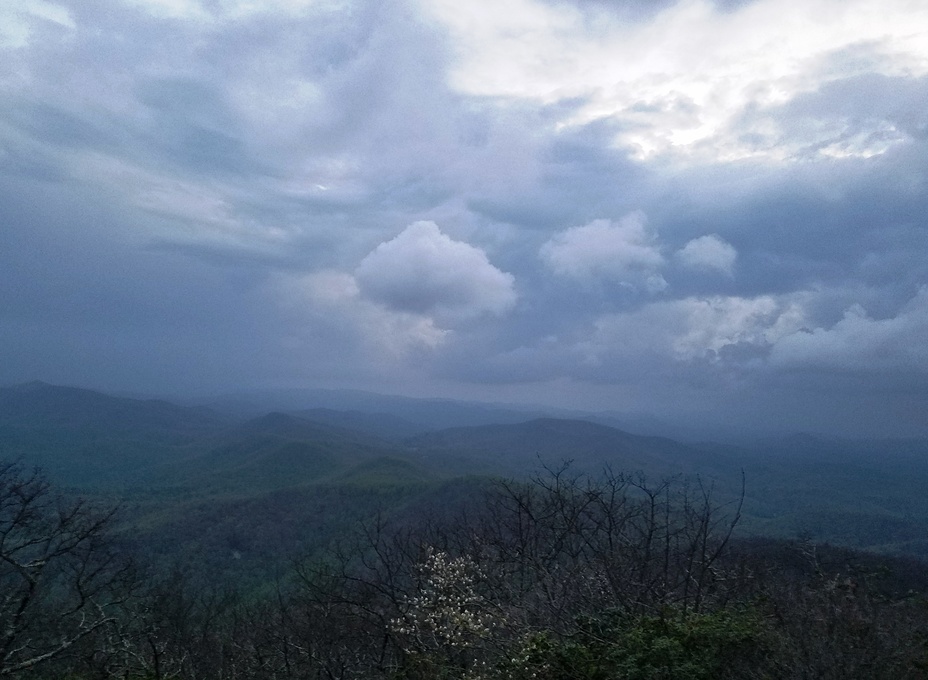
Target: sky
[[707, 211]]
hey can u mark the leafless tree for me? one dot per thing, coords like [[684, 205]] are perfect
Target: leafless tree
[[61, 576], [535, 555]]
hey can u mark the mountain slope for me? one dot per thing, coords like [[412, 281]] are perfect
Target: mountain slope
[[277, 451], [39, 404], [421, 413], [82, 437], [514, 448]]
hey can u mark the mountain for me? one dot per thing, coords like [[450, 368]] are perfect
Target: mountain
[[90, 440], [86, 438], [862, 493], [421, 413], [277, 451], [38, 404], [383, 425], [168, 461], [513, 448]]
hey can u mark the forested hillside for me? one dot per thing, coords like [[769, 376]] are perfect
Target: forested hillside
[[557, 577], [163, 541]]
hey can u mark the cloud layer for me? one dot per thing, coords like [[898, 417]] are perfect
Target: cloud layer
[[699, 210]]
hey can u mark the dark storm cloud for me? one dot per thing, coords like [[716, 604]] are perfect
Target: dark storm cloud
[[876, 106], [192, 125], [581, 177], [198, 195]]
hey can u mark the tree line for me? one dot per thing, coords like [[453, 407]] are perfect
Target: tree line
[[562, 576]]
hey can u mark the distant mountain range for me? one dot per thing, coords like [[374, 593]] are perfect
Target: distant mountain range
[[43, 405], [174, 465], [422, 414]]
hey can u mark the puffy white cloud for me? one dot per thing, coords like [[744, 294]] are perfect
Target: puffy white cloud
[[329, 304], [709, 253], [424, 271], [711, 324], [624, 252], [693, 328], [329, 287], [771, 332], [859, 343]]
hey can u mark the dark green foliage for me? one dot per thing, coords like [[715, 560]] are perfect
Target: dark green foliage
[[672, 645]]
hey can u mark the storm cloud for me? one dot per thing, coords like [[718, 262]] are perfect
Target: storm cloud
[[711, 211]]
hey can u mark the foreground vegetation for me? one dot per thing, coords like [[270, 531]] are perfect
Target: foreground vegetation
[[559, 576]]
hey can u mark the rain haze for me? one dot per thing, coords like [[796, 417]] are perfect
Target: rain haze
[[699, 211]]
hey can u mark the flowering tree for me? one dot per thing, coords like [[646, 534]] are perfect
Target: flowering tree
[[446, 617]]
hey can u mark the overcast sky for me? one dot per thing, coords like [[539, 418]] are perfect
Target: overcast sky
[[699, 209]]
